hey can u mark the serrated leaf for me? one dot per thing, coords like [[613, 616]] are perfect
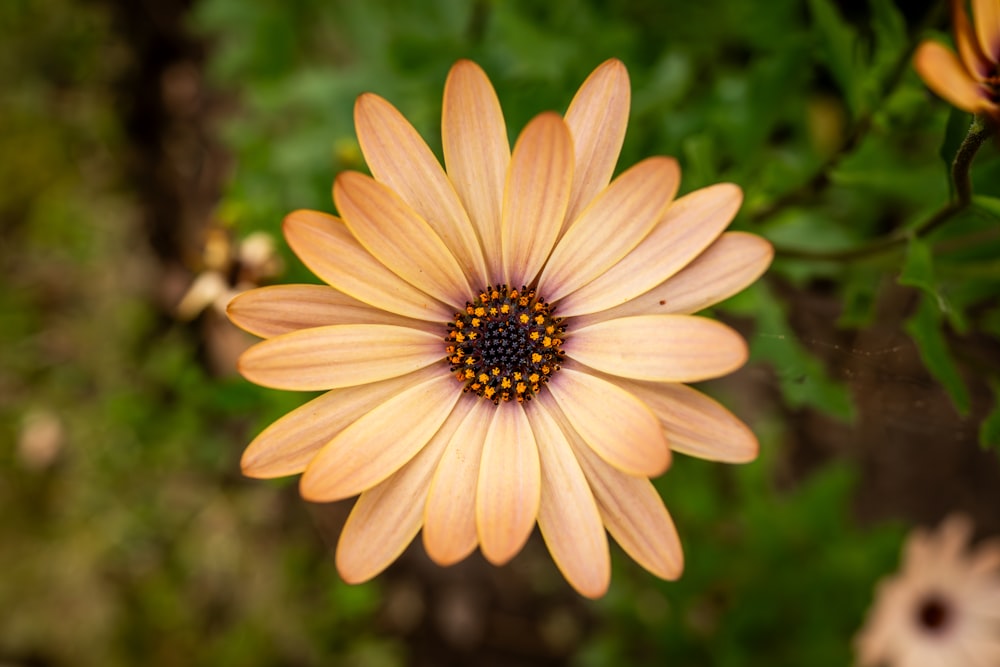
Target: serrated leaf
[[925, 328]]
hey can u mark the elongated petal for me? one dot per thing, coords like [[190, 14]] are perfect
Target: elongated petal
[[944, 74], [450, 514], [611, 226], [328, 248], [568, 517], [630, 507], [380, 442], [288, 445], [509, 487], [476, 152], [341, 355], [661, 348], [986, 559], [614, 423], [387, 517], [399, 238], [729, 265], [972, 55], [279, 309], [535, 198], [688, 227], [696, 424], [597, 118], [398, 157], [986, 17]]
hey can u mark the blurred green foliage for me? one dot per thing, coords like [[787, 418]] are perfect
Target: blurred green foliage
[[139, 543]]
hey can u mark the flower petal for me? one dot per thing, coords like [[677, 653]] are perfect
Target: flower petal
[[688, 227], [631, 509], [327, 247], [660, 348], [973, 58], [568, 517], [509, 487], [613, 224], [286, 446], [696, 424], [340, 355], [380, 442], [476, 152], [943, 73], [398, 157], [597, 118], [450, 514], [399, 238], [279, 309], [729, 265], [614, 423], [986, 17], [387, 517], [535, 197], [986, 559]]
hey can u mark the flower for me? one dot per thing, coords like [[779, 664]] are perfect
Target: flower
[[942, 608], [503, 342], [971, 80]]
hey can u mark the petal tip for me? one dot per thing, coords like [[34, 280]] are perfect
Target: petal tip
[[661, 465], [367, 101], [465, 65], [313, 490], [351, 570], [612, 67], [593, 590], [248, 466]]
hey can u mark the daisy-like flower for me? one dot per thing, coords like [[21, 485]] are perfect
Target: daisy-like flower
[[502, 340], [942, 609], [970, 80]]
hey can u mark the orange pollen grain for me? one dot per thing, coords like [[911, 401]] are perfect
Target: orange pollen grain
[[502, 337]]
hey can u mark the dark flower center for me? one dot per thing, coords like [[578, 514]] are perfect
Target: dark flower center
[[506, 344], [934, 614]]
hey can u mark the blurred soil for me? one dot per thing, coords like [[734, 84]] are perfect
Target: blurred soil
[[919, 457]]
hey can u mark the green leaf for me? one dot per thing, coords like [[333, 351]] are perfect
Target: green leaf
[[891, 43], [925, 328], [954, 134], [989, 430], [859, 298], [889, 28], [840, 50], [989, 205], [803, 379], [918, 271], [918, 267]]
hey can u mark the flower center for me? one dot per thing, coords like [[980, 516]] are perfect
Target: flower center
[[506, 344], [934, 614]]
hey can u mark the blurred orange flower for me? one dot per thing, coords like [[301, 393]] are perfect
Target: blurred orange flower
[[503, 341], [970, 80]]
